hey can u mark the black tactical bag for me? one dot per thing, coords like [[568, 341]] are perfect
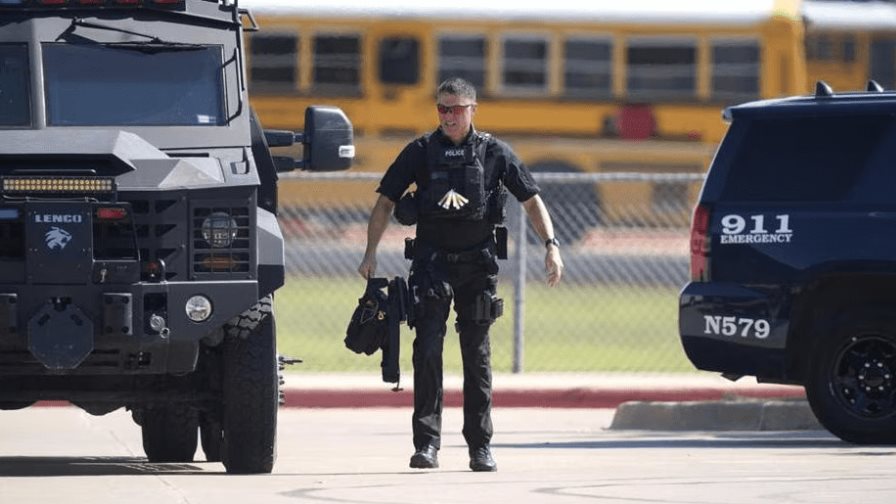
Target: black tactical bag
[[369, 327], [376, 323]]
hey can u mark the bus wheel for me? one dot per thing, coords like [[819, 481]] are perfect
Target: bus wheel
[[574, 206], [851, 385]]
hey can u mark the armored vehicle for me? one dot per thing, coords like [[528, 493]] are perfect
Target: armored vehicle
[[793, 256], [139, 243]]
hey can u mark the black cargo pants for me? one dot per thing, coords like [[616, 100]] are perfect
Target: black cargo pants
[[470, 282]]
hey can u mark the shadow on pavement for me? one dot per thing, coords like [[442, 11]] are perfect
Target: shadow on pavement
[[90, 466]]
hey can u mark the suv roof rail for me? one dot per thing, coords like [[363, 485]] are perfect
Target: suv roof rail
[[822, 90], [874, 87]]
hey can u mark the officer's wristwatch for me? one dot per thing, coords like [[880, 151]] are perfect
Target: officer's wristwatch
[[553, 241]]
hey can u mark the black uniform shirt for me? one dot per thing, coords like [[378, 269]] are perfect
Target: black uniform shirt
[[448, 234]]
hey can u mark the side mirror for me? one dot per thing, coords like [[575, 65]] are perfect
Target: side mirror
[[328, 140]]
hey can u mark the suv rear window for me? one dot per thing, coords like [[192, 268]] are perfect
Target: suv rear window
[[812, 158]]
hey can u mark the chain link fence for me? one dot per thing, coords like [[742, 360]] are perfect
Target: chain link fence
[[624, 244]]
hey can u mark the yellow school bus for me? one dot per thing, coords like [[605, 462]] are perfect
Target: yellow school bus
[[849, 43], [599, 86]]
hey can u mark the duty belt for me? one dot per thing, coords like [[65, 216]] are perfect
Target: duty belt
[[482, 252]]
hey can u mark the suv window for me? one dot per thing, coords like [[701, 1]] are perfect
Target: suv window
[[14, 94], [105, 85], [811, 158]]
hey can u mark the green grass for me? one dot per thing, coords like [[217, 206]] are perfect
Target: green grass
[[569, 328]]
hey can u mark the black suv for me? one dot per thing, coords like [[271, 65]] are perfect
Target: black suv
[[793, 256], [139, 243]]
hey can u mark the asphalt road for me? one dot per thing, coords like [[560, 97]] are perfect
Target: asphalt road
[[62, 455]]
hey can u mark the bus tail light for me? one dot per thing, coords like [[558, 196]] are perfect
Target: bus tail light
[[700, 240]]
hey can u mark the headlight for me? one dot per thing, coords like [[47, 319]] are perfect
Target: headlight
[[219, 229], [199, 308]]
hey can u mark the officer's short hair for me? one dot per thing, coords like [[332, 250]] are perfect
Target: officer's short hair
[[458, 87]]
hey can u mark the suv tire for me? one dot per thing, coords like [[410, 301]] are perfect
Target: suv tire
[[251, 397], [852, 378]]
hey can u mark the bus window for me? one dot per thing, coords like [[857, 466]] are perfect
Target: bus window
[[399, 60], [820, 47], [662, 68], [525, 64], [462, 56], [337, 64], [273, 63], [588, 65], [882, 62], [735, 70], [848, 48]]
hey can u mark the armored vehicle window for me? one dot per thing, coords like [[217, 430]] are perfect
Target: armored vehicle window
[[662, 68], [735, 70], [274, 62], [399, 60], [150, 85], [588, 67], [15, 103], [811, 159], [462, 56]]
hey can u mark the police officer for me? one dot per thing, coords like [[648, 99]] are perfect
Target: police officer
[[460, 176]]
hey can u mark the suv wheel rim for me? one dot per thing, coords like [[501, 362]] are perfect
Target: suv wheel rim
[[863, 376]]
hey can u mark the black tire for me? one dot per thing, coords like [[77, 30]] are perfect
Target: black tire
[[170, 433], [851, 385], [245, 324], [211, 436], [251, 397]]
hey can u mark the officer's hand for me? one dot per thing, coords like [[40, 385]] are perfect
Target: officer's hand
[[553, 266], [367, 269]]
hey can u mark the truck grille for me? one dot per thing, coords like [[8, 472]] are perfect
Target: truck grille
[[161, 233]]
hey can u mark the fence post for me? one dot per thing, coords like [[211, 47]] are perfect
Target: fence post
[[519, 290]]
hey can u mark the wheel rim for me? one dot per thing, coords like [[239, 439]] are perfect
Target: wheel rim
[[863, 376]]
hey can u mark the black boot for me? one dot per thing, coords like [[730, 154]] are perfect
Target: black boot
[[481, 459], [425, 458]]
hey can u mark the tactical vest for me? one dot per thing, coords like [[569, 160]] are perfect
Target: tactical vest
[[452, 185]]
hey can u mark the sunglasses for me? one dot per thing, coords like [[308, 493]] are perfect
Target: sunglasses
[[454, 109]]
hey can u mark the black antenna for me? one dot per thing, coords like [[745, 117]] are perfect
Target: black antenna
[[874, 87], [822, 90]]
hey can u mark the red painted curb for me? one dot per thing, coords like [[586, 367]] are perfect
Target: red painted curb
[[564, 398]]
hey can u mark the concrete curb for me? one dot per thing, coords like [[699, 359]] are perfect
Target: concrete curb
[[726, 415], [531, 398]]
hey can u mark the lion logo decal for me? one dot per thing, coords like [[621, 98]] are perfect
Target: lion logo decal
[[57, 238]]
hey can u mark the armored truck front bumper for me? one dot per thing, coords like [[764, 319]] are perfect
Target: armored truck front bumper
[[141, 328], [130, 287], [734, 329]]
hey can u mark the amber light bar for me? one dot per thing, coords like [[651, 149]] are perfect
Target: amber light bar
[[51, 185]]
